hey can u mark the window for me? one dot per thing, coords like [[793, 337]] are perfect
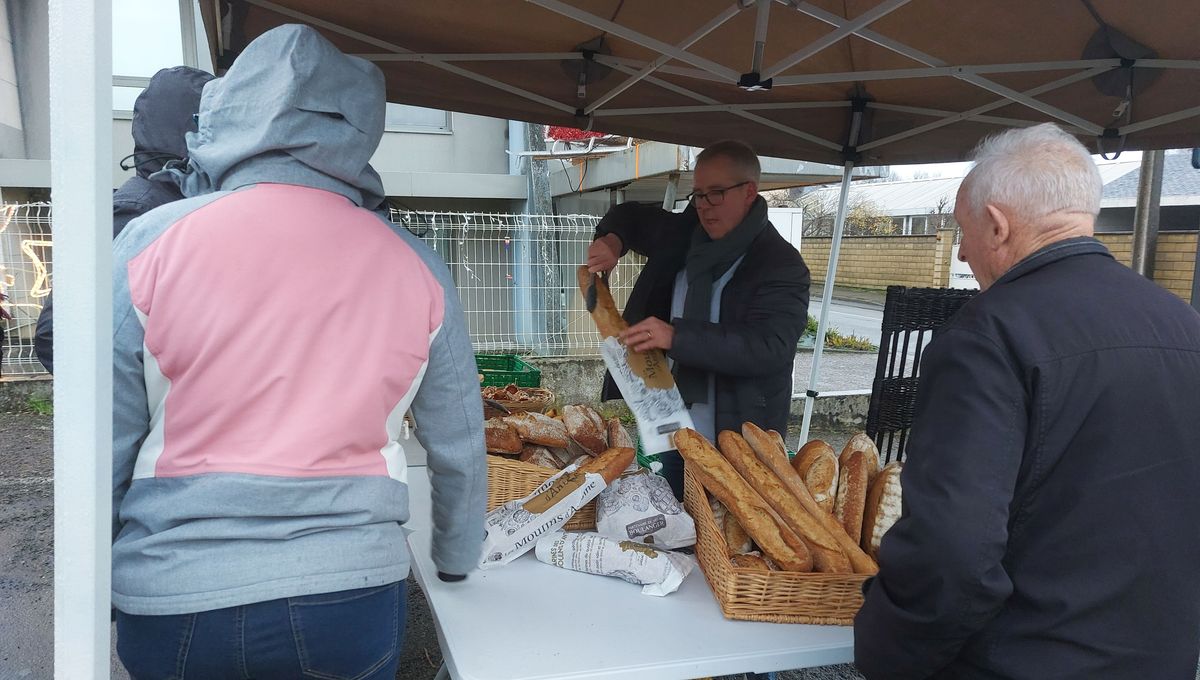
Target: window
[[405, 118], [919, 225]]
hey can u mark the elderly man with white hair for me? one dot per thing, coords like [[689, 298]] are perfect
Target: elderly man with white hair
[[1052, 489]]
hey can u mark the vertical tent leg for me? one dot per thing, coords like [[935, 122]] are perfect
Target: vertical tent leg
[[826, 299], [81, 181], [671, 192]]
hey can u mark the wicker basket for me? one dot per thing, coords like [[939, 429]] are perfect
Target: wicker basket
[[776, 596], [511, 479], [543, 397]]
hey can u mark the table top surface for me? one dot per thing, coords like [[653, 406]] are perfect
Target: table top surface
[[531, 620]]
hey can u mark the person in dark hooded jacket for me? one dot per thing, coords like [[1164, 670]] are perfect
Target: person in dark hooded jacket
[[162, 114]]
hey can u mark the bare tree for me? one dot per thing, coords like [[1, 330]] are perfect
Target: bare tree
[[863, 217]]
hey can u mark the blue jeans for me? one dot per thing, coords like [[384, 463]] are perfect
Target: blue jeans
[[352, 634]]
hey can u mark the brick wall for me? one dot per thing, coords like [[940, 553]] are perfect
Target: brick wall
[[875, 261], [1174, 260], [881, 261]]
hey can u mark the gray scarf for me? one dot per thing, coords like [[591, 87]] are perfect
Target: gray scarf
[[707, 261]]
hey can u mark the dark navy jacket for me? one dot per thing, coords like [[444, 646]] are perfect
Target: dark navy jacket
[[162, 116], [764, 309], [1052, 489]]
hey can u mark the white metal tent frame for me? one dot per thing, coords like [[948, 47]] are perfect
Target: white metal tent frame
[[80, 89]]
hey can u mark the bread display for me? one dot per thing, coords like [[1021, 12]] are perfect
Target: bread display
[[584, 430], [501, 437], [535, 428], [719, 477], [827, 556], [775, 458], [817, 465], [854, 478], [882, 508]]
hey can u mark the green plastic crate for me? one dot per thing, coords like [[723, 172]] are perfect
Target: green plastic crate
[[500, 370]]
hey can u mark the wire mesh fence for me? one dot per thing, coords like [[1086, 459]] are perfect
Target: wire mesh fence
[[516, 277], [25, 277]]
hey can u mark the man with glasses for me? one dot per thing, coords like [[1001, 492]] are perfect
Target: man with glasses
[[722, 293]]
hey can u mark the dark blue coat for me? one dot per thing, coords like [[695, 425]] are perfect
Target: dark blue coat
[[1052, 489], [162, 115]]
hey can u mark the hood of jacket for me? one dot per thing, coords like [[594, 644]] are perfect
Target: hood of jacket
[[292, 109], [162, 116]]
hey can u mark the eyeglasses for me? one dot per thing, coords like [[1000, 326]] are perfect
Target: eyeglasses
[[713, 198]]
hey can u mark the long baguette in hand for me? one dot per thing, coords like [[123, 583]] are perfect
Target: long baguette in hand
[[828, 557], [752, 512], [775, 458]]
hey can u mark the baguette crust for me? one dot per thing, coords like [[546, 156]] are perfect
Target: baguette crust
[[884, 501], [715, 473], [776, 459], [853, 481], [818, 467], [828, 556], [501, 437], [535, 428], [861, 442], [609, 464]]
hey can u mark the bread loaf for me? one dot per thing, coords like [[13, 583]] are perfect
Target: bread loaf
[[775, 458], [882, 509], [854, 478], [583, 430], [540, 456], [617, 436], [736, 539], [715, 473], [609, 464], [827, 555], [818, 467], [535, 428], [500, 437]]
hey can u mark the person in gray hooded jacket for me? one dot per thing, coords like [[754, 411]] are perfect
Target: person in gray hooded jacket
[[259, 489]]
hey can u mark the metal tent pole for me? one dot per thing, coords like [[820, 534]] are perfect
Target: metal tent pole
[[826, 299], [81, 182], [858, 106]]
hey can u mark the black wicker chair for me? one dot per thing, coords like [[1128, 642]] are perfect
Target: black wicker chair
[[911, 318]]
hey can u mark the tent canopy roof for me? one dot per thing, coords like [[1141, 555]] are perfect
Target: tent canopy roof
[[930, 77]]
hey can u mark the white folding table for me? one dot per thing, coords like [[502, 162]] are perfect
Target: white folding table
[[532, 621]]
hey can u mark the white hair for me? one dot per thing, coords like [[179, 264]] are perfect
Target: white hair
[[1033, 172]]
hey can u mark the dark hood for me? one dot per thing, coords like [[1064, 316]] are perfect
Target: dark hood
[[163, 114]]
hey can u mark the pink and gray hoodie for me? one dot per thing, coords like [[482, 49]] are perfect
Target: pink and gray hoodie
[[270, 333]]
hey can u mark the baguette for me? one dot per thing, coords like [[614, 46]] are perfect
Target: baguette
[[882, 509], [776, 459], [736, 539], [609, 464], [861, 442], [535, 428], [608, 319], [501, 437], [818, 467], [751, 560], [828, 557], [715, 473], [853, 482]]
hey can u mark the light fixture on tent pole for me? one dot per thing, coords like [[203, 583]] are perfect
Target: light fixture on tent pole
[[858, 110]]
